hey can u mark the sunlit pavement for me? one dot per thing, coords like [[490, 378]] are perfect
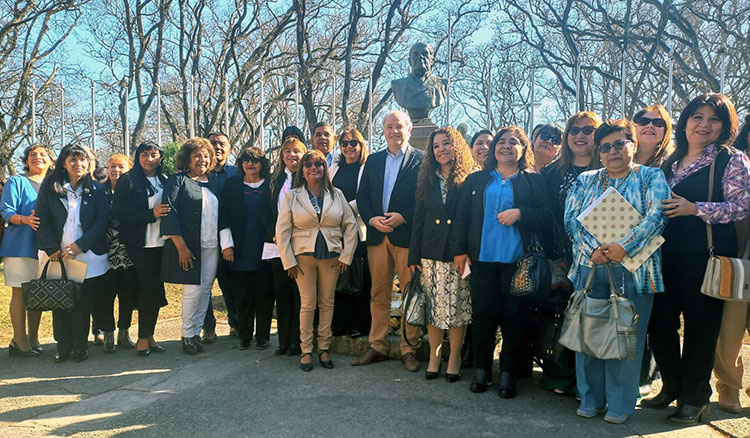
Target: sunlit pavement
[[228, 392]]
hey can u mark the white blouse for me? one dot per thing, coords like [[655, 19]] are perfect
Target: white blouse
[[153, 239], [96, 264], [209, 219]]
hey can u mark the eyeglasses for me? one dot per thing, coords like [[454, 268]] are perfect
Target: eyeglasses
[[319, 163], [617, 144], [657, 122], [350, 143], [553, 138], [587, 130], [254, 160]]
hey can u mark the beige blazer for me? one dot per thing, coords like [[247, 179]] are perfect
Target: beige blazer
[[297, 226]]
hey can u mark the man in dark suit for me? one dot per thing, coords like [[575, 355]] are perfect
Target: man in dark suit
[[386, 202], [220, 173]]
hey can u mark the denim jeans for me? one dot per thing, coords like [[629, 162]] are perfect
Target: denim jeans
[[613, 383]]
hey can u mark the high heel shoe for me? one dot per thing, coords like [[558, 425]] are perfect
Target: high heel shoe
[[15, 350], [325, 363], [306, 366], [452, 377], [432, 375], [688, 415]]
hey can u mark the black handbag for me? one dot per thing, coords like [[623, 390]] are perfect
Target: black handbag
[[546, 329], [533, 277], [352, 280], [416, 310], [59, 294]]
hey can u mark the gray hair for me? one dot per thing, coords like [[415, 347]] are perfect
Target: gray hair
[[398, 113]]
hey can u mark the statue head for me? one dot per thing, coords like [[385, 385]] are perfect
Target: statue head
[[421, 59]]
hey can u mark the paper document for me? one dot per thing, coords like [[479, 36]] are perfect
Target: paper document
[[610, 218]]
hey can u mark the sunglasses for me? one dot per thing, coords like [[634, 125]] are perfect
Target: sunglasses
[[254, 160], [553, 138], [617, 144], [587, 130], [319, 163], [350, 143], [644, 121]]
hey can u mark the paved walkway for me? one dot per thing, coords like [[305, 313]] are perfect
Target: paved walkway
[[227, 392]]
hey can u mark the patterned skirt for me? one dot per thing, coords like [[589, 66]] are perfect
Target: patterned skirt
[[449, 295]]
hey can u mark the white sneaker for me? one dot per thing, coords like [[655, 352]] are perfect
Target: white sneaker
[[589, 412]]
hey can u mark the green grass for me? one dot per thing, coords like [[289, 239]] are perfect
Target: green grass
[[171, 310]]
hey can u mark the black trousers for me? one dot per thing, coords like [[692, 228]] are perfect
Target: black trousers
[[492, 304], [688, 374], [253, 294], [151, 296], [226, 285], [120, 283], [352, 311], [71, 329], [287, 305]]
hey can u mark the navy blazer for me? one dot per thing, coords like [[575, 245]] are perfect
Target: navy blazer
[[430, 232], [370, 195], [232, 210], [185, 199], [529, 196], [130, 208], [94, 216]]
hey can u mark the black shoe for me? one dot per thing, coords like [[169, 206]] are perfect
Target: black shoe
[[432, 375], [243, 345], [294, 350], [306, 366], [338, 332], [661, 401], [328, 364], [261, 345], [189, 346], [37, 348], [480, 382], [80, 356], [123, 339], [61, 357], [15, 350], [208, 337], [688, 415], [354, 334], [507, 385], [452, 377], [281, 351], [143, 353], [109, 342], [198, 344], [156, 348]]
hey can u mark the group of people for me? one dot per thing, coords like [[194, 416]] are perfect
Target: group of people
[[321, 234]]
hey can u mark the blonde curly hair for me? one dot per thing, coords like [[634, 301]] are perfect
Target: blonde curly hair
[[461, 167]]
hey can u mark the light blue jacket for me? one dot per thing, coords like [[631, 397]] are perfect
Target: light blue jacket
[[19, 197]]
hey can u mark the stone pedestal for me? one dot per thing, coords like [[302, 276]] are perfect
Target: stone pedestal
[[420, 132]]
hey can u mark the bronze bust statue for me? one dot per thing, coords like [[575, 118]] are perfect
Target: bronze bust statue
[[421, 91]]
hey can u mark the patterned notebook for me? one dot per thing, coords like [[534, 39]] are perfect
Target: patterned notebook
[[610, 218]]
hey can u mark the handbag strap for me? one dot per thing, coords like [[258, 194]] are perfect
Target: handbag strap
[[590, 279], [63, 274], [612, 284], [709, 230]]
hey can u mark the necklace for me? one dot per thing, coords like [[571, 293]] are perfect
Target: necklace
[[607, 180]]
